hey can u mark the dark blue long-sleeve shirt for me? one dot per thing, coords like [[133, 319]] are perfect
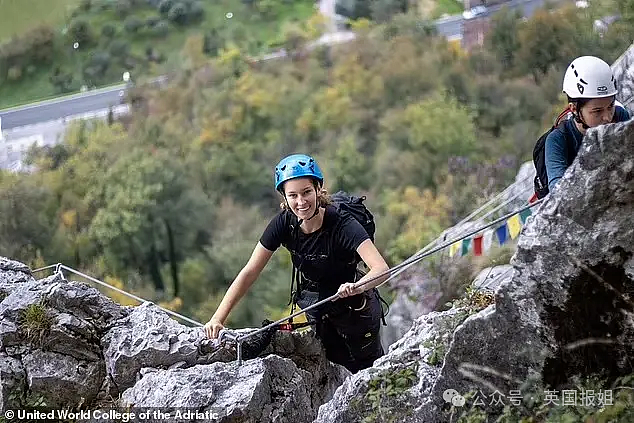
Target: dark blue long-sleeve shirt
[[558, 158]]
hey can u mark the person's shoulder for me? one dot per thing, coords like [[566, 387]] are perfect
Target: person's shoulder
[[283, 218], [557, 134], [621, 114]]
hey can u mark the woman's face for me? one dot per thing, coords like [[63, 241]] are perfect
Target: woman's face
[[301, 197], [598, 111]]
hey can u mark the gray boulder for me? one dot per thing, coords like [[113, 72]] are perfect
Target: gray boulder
[[65, 344], [565, 311], [270, 389]]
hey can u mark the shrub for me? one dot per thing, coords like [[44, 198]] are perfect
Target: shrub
[[79, 31], [123, 8], [165, 6], [178, 14], [14, 73], [161, 29], [109, 30], [152, 21], [119, 48], [132, 24]]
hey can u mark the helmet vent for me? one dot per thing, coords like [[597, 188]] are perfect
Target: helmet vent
[[583, 81]]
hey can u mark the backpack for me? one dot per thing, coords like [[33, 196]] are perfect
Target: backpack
[[539, 156], [352, 205]]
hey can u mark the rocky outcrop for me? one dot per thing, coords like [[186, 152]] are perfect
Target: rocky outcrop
[[623, 69], [566, 310], [65, 344]]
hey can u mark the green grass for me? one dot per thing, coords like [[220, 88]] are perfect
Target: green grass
[[450, 7], [18, 16], [249, 30]]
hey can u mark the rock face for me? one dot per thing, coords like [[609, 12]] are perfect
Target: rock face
[[566, 309], [68, 345], [623, 69]]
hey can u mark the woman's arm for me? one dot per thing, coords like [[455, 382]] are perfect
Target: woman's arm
[[240, 285], [375, 261]]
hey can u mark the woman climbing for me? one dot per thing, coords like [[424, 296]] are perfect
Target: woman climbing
[[324, 245]]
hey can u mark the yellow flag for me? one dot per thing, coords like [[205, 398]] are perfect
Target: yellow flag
[[515, 225], [454, 248]]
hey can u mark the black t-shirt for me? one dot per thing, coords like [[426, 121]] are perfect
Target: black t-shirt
[[327, 256]]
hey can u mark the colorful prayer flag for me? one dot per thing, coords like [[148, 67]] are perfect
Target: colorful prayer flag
[[501, 233], [477, 245], [524, 215], [465, 246], [515, 226], [487, 239], [454, 248]]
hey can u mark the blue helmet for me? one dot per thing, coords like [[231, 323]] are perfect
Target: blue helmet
[[297, 166]]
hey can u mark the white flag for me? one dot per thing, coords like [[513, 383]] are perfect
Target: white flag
[[487, 240]]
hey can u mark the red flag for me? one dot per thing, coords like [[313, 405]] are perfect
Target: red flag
[[477, 245]]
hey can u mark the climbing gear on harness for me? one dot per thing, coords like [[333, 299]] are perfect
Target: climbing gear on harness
[[297, 166]]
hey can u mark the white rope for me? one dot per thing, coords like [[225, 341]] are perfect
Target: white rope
[[470, 216], [97, 281]]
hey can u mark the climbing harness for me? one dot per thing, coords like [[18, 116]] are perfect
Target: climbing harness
[[230, 336]]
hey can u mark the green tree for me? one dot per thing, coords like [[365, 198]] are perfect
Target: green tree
[[417, 141], [145, 218], [26, 218], [503, 39]]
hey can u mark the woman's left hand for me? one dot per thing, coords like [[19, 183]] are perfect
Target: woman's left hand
[[348, 290]]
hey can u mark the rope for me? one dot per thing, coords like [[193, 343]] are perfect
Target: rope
[[97, 281], [411, 260], [471, 215]]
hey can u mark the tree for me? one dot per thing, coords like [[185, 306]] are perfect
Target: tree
[[79, 31], [418, 140], [132, 24], [546, 41], [383, 10], [503, 39], [415, 217], [178, 14], [26, 221], [145, 218]]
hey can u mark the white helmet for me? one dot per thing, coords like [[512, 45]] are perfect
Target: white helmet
[[589, 77]]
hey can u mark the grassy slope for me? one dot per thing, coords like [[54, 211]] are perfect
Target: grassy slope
[[246, 28], [18, 16]]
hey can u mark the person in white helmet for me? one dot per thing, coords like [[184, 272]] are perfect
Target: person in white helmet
[[591, 90]]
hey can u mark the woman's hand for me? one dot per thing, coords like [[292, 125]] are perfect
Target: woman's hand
[[348, 290], [213, 328]]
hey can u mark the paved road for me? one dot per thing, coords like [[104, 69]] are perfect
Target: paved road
[[61, 107], [451, 26]]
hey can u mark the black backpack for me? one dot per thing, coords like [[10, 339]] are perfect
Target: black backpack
[[539, 157], [353, 205]]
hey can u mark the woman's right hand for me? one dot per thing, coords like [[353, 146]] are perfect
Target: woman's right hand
[[213, 328]]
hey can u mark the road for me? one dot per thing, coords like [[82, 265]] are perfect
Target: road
[[451, 26], [61, 107]]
